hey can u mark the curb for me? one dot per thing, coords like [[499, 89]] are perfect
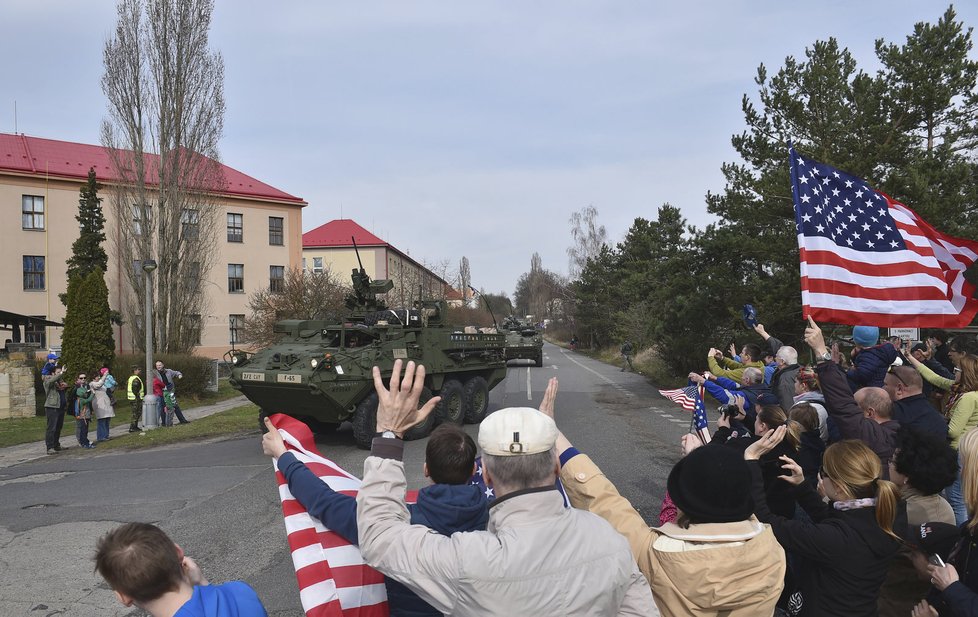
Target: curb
[[32, 451]]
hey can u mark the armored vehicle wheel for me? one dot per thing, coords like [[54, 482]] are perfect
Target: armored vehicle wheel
[[420, 431], [540, 358], [364, 421], [476, 400], [452, 407]]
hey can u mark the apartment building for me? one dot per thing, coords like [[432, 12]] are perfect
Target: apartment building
[[40, 181]]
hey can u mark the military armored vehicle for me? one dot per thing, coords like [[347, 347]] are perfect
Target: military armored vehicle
[[321, 371], [523, 341]]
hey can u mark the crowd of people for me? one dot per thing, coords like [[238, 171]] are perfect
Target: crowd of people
[[841, 487], [95, 398]]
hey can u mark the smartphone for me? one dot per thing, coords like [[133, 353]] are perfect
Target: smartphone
[[935, 560]]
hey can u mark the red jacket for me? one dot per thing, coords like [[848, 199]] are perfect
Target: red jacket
[[158, 387]]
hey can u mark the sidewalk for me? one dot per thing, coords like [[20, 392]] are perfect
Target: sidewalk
[[14, 455]]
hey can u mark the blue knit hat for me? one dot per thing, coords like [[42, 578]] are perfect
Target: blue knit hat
[[865, 336]]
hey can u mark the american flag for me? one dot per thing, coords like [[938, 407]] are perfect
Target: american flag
[[686, 397], [333, 579], [700, 426], [866, 258]]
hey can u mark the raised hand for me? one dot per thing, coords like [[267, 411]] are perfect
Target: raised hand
[[397, 408], [795, 475], [765, 444], [549, 396]]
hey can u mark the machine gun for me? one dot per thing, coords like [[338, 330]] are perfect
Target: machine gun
[[364, 300]]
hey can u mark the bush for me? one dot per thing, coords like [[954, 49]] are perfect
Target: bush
[[196, 372]]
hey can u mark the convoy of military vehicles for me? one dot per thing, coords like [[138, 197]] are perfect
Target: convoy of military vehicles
[[321, 371]]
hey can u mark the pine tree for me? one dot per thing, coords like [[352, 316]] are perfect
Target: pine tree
[[87, 254], [87, 341]]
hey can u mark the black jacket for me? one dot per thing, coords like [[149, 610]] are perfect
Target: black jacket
[[780, 495], [917, 412], [844, 555], [960, 599], [849, 418]]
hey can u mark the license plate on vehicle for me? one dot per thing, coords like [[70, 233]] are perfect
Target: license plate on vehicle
[[252, 376], [289, 378]]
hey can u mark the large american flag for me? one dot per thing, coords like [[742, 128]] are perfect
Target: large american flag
[[686, 397], [867, 259], [333, 579]]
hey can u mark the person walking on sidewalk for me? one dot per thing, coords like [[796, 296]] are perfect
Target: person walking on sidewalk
[[54, 406], [168, 377], [134, 392]]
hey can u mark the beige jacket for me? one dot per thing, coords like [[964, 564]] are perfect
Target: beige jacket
[[536, 557], [721, 569], [101, 403]]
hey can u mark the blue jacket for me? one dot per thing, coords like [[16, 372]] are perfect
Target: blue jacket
[[445, 508], [870, 365], [234, 599], [917, 412]]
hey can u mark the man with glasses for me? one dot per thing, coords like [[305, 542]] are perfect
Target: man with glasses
[[83, 410], [910, 407]]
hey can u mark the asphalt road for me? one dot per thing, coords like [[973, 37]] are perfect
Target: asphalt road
[[218, 500]]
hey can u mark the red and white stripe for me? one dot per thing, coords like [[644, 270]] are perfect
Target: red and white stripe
[[920, 286], [333, 579]]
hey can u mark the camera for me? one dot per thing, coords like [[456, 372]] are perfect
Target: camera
[[728, 410]]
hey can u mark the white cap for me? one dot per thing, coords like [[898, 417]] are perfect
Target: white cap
[[517, 430]]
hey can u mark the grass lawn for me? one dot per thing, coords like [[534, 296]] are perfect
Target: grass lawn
[[237, 420], [25, 430]]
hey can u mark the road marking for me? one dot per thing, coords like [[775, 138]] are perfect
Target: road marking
[[588, 368], [529, 389]]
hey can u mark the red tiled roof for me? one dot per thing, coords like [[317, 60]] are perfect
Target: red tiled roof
[[338, 233], [66, 159]]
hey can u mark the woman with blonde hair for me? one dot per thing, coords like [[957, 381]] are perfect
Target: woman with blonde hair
[[845, 551], [960, 408]]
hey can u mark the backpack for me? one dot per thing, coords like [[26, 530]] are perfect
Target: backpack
[[71, 398]]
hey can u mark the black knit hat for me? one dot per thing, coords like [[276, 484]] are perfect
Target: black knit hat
[[712, 485]]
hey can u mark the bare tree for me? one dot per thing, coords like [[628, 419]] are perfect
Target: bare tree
[[587, 236], [418, 281], [165, 92], [464, 278], [304, 295]]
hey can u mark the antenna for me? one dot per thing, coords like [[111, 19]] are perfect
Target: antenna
[[15, 116]]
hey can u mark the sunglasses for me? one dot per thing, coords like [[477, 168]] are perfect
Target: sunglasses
[[893, 372]]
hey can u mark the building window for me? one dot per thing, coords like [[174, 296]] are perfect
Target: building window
[[32, 212], [317, 264], [235, 278], [276, 279], [193, 276], [190, 223], [235, 227], [36, 332], [33, 272], [236, 325], [195, 324], [276, 230], [137, 218], [304, 264]]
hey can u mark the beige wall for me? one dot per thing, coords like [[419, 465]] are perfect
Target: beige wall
[[61, 229], [380, 262]]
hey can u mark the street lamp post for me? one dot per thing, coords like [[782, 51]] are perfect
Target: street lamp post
[[150, 414]]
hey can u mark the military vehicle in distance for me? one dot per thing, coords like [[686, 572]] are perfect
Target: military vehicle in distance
[[321, 372], [523, 341]]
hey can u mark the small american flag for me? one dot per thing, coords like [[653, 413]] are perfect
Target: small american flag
[[866, 258], [333, 579], [700, 424], [686, 397]]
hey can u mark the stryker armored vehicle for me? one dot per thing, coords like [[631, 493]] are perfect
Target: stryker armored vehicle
[[523, 342], [321, 372]]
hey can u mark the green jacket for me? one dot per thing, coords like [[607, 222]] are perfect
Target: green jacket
[[84, 402], [52, 396]]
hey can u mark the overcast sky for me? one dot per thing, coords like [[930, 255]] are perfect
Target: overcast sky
[[464, 128]]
